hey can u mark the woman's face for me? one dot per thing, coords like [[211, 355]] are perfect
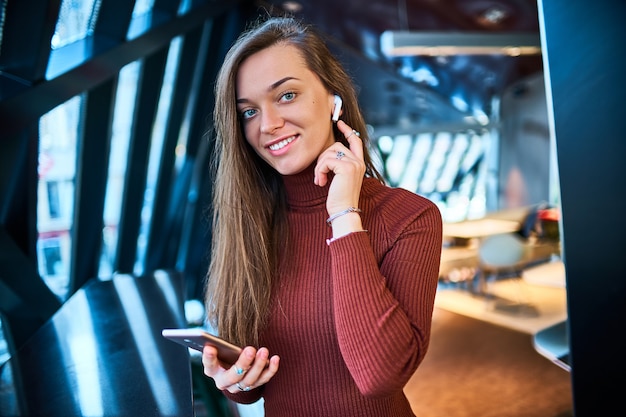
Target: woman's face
[[285, 109]]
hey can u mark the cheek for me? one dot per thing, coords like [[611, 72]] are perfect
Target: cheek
[[250, 133]]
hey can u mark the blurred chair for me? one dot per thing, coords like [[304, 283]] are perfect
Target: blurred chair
[[458, 266], [502, 257]]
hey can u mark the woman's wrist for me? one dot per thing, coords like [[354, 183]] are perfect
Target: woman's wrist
[[345, 222], [341, 213]]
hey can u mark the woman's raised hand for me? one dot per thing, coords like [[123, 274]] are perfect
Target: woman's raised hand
[[252, 369], [348, 168]]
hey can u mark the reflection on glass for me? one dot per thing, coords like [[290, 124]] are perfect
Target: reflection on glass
[[156, 149], [58, 133], [135, 311], [8, 392], [75, 21], [142, 7], [122, 125], [76, 336], [164, 281], [142, 19], [5, 355]]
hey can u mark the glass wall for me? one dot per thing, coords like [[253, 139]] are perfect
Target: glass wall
[[104, 105], [58, 130]]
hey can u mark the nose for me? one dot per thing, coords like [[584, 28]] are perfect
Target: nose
[[271, 119]]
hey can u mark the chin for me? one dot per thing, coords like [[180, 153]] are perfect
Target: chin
[[289, 169]]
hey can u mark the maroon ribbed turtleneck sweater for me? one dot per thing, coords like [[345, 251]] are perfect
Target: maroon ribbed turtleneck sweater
[[351, 320]]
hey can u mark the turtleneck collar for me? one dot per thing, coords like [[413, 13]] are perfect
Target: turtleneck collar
[[301, 191]]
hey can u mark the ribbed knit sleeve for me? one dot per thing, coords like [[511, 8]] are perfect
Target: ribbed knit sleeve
[[383, 307], [351, 319]]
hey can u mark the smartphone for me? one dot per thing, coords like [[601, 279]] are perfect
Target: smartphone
[[196, 339]]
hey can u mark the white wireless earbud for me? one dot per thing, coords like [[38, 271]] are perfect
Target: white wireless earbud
[[337, 109]]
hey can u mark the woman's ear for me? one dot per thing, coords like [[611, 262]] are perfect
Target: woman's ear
[[337, 108]]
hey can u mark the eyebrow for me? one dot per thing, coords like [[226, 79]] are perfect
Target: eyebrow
[[273, 86]]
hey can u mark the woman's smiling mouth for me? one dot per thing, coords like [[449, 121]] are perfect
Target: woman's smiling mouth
[[279, 145]]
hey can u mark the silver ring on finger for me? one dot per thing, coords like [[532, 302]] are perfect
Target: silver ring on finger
[[340, 155], [240, 371], [241, 388], [354, 132]]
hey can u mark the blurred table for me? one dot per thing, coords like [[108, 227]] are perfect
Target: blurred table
[[479, 228], [455, 258], [550, 274], [102, 354]]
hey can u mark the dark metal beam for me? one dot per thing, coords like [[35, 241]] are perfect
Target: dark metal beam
[[30, 102], [25, 302], [26, 38], [168, 205], [149, 90], [90, 185], [114, 19]]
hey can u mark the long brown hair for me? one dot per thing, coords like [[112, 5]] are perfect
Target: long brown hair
[[249, 208]]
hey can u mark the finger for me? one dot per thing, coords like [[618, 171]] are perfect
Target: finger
[[242, 387], [239, 371], [225, 378], [344, 128], [269, 371], [243, 364], [353, 137], [333, 157], [256, 375], [327, 162], [260, 363], [210, 363], [354, 140], [356, 145], [266, 375]]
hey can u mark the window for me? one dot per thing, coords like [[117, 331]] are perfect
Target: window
[[122, 124], [58, 131], [445, 167], [75, 21]]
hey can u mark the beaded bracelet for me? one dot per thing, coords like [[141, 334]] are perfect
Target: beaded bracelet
[[329, 221]]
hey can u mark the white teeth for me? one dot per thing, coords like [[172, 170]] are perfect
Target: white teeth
[[281, 144]]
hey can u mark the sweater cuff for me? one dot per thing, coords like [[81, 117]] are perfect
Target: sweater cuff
[[333, 239]]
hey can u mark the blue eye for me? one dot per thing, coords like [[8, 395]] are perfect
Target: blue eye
[[288, 96], [248, 113]]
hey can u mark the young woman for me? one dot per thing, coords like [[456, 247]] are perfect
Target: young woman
[[314, 259]]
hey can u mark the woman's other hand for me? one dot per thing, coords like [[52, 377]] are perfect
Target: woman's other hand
[[252, 369]]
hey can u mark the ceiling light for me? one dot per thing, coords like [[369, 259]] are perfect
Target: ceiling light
[[292, 6], [402, 43], [494, 15]]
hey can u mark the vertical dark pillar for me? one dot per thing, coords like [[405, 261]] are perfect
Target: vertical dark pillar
[[586, 70]]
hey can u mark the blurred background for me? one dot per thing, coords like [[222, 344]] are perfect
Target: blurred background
[[105, 138]]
